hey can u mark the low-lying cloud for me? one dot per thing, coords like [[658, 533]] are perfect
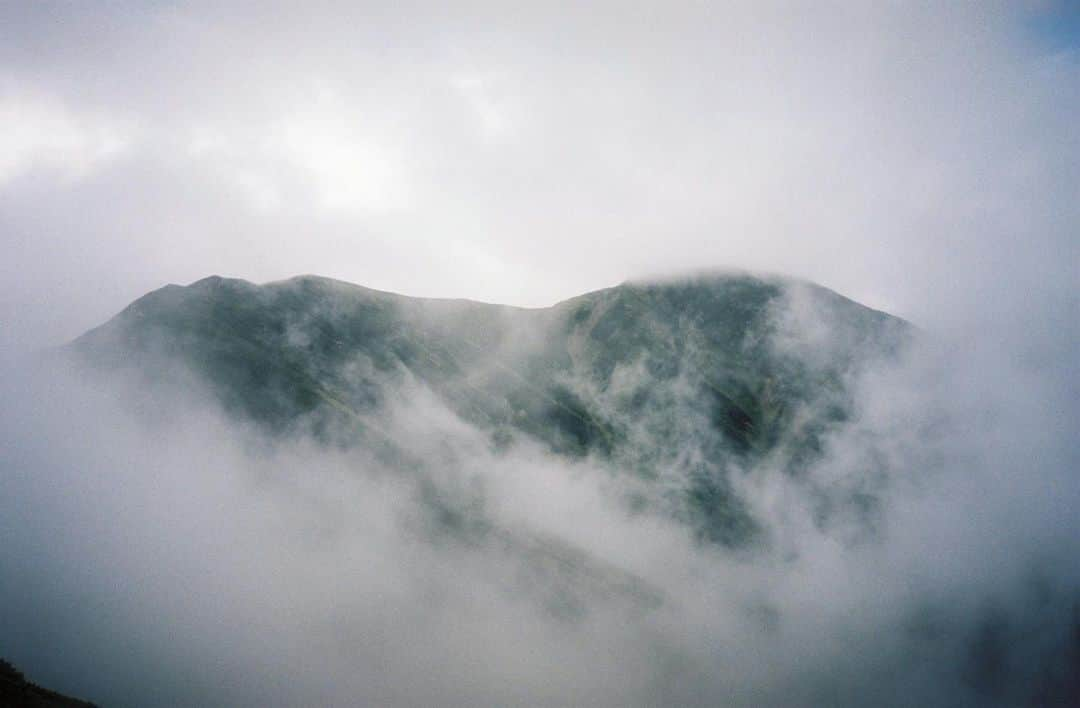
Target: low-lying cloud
[[159, 552], [922, 159]]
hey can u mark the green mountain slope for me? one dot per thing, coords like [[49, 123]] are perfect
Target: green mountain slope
[[679, 385]]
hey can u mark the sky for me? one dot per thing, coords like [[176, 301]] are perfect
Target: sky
[[904, 154], [921, 158]]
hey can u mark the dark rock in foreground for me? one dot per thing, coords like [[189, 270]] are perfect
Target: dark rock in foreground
[[17, 692]]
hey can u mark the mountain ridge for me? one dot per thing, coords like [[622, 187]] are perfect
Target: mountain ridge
[[705, 275], [683, 382]]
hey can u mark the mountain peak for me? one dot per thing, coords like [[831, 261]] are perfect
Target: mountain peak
[[635, 377]]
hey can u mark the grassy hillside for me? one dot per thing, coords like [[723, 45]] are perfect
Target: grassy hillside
[[680, 384]]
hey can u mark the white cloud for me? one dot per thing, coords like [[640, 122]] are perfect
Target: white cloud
[[887, 152], [489, 111], [40, 132], [351, 170]]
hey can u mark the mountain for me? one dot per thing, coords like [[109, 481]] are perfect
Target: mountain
[[679, 384]]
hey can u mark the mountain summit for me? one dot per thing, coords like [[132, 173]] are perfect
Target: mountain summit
[[679, 384]]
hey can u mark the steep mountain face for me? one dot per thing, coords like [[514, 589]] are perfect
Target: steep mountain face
[[677, 385]]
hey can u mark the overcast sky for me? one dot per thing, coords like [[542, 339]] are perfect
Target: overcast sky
[[922, 158], [903, 155]]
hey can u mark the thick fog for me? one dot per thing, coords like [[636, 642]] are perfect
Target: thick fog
[[156, 551], [159, 552]]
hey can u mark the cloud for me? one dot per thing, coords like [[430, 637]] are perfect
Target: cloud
[[493, 123], [927, 557], [917, 159], [930, 146], [40, 132], [325, 139]]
